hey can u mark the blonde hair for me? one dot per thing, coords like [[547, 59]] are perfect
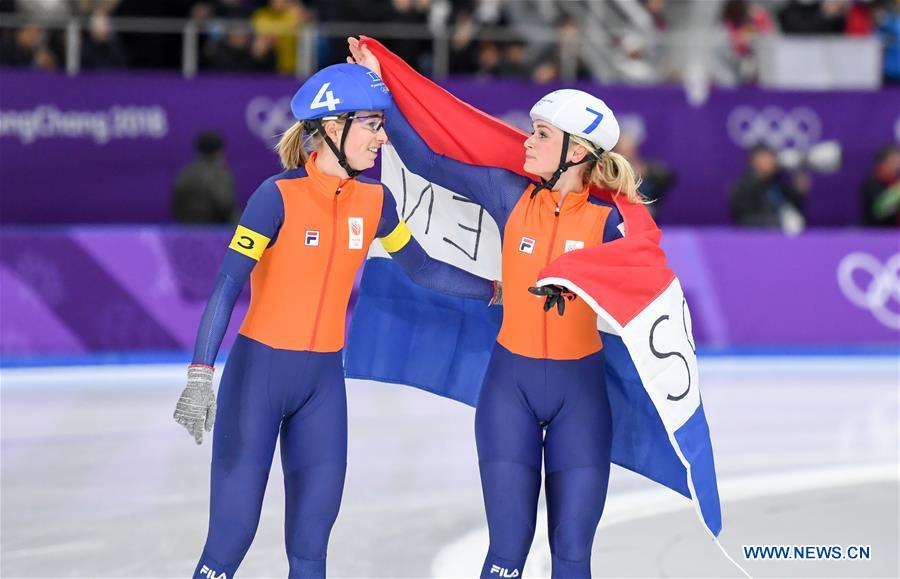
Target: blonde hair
[[292, 146], [611, 171]]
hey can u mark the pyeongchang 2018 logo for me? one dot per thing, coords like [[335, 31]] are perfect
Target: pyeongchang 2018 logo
[[47, 121], [798, 128], [872, 285], [268, 119]]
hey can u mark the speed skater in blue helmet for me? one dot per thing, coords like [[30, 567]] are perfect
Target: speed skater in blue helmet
[[300, 242], [341, 92]]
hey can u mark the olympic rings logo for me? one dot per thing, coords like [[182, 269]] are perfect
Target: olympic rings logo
[[267, 119], [799, 128], [880, 285]]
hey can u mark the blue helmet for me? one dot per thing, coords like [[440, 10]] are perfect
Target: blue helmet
[[339, 89]]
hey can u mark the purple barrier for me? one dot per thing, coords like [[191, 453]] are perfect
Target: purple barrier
[[105, 147], [823, 288], [88, 290]]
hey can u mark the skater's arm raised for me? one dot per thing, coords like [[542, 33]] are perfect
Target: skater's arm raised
[[495, 189]]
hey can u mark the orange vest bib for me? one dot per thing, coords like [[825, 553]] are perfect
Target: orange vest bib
[[301, 286], [534, 236]]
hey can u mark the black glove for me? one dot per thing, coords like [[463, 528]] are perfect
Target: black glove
[[555, 294]]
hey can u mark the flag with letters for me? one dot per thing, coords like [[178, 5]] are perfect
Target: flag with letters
[[405, 334]]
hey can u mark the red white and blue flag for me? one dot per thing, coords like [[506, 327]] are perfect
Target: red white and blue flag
[[408, 335]]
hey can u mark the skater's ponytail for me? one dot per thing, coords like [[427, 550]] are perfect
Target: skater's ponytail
[[292, 146], [610, 171]]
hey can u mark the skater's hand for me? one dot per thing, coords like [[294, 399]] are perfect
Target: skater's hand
[[556, 294], [196, 409], [361, 55]]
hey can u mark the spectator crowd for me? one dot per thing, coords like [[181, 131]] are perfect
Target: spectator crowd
[[490, 38]]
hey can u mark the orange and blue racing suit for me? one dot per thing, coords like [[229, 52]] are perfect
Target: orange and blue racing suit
[[543, 401], [300, 241]]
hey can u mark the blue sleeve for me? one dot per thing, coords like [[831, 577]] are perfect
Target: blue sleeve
[[425, 271], [436, 275], [495, 189], [264, 212], [263, 215], [389, 217], [611, 229], [232, 277]]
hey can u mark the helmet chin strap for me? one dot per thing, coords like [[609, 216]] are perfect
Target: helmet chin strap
[[338, 151], [564, 166]]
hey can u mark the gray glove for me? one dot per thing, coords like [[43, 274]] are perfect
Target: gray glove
[[196, 409]]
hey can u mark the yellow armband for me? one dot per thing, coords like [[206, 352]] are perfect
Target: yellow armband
[[249, 242], [396, 239]]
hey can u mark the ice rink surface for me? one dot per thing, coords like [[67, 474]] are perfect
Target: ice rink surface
[[98, 481]]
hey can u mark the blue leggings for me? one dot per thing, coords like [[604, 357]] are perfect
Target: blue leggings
[[264, 392], [556, 410]]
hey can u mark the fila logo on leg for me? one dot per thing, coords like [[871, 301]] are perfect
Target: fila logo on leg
[[312, 237], [356, 232], [503, 571], [526, 245], [211, 574]]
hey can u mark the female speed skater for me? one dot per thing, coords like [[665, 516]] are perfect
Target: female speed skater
[[301, 239], [543, 401]]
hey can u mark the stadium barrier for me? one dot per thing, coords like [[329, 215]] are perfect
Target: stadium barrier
[[92, 290]]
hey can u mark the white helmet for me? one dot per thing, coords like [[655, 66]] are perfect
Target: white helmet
[[581, 114]]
